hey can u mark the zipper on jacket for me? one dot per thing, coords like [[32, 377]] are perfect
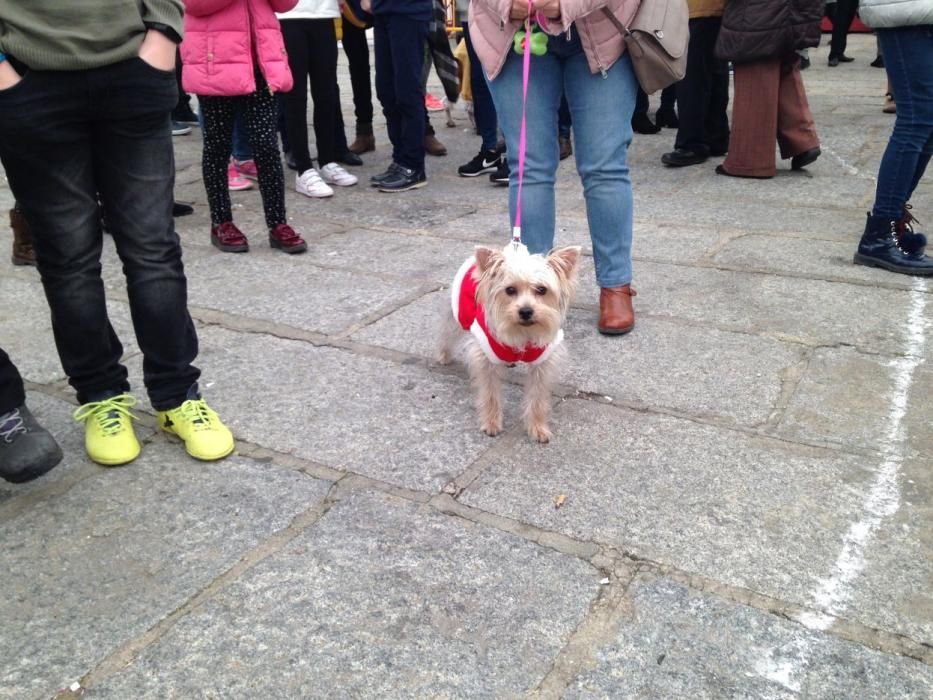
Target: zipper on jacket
[[254, 40]]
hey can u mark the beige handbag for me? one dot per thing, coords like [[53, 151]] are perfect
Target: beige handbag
[[656, 41]]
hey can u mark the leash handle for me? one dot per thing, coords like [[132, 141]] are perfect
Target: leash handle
[[522, 136]]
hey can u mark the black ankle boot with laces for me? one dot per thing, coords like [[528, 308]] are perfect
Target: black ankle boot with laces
[[890, 244]]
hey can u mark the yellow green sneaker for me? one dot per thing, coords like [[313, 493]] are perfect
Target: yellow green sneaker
[[199, 426], [108, 430]]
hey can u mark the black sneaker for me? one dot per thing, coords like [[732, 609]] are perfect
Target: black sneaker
[[484, 162], [27, 450], [403, 179], [376, 180], [501, 176], [185, 115]]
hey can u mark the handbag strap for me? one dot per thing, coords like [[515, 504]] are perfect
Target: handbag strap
[[623, 30]]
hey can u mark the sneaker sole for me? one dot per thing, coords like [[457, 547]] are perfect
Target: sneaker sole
[[240, 188], [413, 186], [314, 196], [34, 472], [342, 184], [860, 259], [277, 245], [202, 458], [478, 172], [114, 462], [230, 248]]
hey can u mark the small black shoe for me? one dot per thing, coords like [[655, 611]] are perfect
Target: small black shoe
[[290, 161], [804, 63], [681, 157], [501, 176], [185, 115], [802, 160], [483, 162], [403, 179], [376, 180], [878, 62], [666, 118], [883, 245], [27, 450], [833, 61], [641, 124], [181, 209], [349, 158], [845, 59]]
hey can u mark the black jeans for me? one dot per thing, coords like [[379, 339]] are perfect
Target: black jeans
[[399, 47], [842, 15], [356, 48], [312, 53], [12, 394], [61, 152], [703, 94]]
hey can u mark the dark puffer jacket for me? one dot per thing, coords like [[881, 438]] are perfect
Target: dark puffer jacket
[[753, 30]]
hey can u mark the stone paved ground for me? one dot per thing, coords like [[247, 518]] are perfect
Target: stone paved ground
[[747, 476]]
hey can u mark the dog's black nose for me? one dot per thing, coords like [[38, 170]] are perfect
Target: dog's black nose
[[525, 313]]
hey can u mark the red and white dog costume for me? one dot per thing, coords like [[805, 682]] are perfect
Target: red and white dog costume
[[471, 315]]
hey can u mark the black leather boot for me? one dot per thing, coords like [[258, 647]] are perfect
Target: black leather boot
[[890, 245]]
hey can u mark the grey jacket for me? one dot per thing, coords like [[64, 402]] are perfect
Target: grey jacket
[[886, 14]]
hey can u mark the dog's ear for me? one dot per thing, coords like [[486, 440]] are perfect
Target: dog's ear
[[487, 258], [564, 261]]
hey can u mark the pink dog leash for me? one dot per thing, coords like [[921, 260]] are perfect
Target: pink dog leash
[[522, 140]]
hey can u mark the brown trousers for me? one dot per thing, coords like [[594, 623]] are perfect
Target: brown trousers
[[769, 98]]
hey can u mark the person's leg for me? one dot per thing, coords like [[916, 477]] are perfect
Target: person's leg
[[842, 20], [261, 115], [297, 45], [694, 92], [409, 37], [385, 81], [564, 118], [12, 393], [219, 114], [602, 113], [241, 149], [46, 148], [908, 57], [796, 131], [321, 41], [717, 116], [541, 159], [484, 111], [134, 168], [356, 47], [754, 119]]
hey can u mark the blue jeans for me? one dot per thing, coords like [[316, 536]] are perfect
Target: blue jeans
[[601, 108], [908, 58]]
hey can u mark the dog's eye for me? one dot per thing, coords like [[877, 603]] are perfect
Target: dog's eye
[[511, 291], [541, 291]]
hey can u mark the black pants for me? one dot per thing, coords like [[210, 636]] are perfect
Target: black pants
[[61, 151], [262, 112], [312, 53], [703, 94], [12, 394], [356, 48], [668, 100], [842, 14], [399, 47]]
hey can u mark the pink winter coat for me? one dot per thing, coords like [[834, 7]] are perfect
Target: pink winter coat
[[218, 50], [491, 30]]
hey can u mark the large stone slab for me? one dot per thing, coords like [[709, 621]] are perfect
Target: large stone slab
[[381, 598], [675, 643], [753, 512], [396, 422], [97, 566], [291, 290]]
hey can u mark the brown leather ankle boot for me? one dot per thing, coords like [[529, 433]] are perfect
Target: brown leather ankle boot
[[363, 144], [616, 316], [23, 254], [433, 146]]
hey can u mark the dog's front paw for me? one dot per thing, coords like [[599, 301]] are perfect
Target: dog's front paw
[[492, 428], [539, 432], [444, 357]]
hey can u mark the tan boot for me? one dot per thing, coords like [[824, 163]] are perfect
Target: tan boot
[[363, 144], [433, 146], [616, 316], [23, 254]]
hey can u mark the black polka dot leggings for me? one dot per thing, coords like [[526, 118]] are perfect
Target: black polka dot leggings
[[261, 111]]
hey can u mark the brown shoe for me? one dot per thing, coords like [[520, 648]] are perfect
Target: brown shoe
[[23, 254], [566, 147], [363, 144], [616, 316], [434, 147]]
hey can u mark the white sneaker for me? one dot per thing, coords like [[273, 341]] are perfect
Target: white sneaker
[[310, 184], [334, 174]]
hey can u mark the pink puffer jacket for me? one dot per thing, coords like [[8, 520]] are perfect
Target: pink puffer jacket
[[222, 37], [491, 30]]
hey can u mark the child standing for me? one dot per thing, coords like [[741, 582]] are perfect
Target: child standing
[[234, 58]]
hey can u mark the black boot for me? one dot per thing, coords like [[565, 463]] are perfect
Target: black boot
[[888, 244], [27, 450]]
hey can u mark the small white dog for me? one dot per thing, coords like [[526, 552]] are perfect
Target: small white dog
[[508, 307]]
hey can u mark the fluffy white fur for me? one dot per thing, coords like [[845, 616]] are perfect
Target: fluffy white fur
[[526, 298]]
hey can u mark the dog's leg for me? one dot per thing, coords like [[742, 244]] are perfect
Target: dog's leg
[[538, 386], [488, 383], [449, 337]]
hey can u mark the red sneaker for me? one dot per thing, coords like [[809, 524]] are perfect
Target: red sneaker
[[228, 238], [285, 238], [432, 104]]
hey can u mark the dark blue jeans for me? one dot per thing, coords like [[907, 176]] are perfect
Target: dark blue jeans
[[399, 42], [908, 58], [61, 152], [484, 109]]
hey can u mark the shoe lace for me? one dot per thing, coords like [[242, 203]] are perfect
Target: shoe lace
[[908, 219], [198, 414], [11, 425], [109, 413]]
